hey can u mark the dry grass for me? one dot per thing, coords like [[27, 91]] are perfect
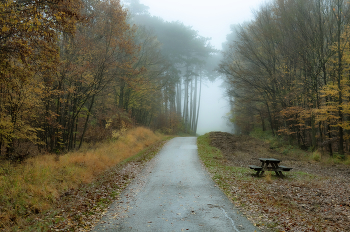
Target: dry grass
[[34, 186], [316, 155], [268, 178]]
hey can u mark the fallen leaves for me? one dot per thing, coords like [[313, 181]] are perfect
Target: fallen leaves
[[299, 202]]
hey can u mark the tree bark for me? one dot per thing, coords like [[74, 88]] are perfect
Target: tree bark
[[86, 122]]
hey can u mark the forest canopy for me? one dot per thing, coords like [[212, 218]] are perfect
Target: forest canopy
[[288, 71]]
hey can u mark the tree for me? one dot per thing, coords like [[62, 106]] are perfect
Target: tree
[[99, 55], [187, 53], [287, 65], [28, 51]]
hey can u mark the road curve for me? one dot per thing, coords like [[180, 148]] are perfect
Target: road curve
[[174, 193]]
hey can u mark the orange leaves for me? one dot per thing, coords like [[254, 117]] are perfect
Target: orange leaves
[[28, 54], [5, 29], [29, 27]]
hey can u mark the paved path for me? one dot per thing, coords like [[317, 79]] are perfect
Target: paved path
[[174, 193]]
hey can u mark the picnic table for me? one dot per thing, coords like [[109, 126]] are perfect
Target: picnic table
[[269, 164]]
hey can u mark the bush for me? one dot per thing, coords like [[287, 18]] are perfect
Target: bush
[[316, 155]]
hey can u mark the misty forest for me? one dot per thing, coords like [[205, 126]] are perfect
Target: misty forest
[[87, 84], [288, 72], [81, 71]]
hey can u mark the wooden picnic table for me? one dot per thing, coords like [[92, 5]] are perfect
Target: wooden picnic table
[[269, 164]]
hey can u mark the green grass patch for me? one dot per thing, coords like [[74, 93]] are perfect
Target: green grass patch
[[221, 173]]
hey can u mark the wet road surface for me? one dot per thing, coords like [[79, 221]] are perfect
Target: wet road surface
[[174, 193]]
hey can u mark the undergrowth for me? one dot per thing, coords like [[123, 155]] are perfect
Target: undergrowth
[[33, 186], [286, 148]]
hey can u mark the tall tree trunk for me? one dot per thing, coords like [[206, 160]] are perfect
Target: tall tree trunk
[[199, 104], [121, 95], [178, 98], [340, 72], [86, 122], [185, 112], [190, 109], [194, 109], [270, 118]]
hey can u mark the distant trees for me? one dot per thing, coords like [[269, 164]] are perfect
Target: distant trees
[[187, 54], [288, 68], [75, 71]]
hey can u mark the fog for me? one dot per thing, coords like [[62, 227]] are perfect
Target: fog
[[212, 19], [214, 109]]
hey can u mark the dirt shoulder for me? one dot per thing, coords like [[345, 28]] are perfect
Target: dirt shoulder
[[312, 197]]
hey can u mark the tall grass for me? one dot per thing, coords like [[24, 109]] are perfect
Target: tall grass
[[33, 186]]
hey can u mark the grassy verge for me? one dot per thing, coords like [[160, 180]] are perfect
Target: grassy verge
[[32, 190], [298, 202], [279, 144]]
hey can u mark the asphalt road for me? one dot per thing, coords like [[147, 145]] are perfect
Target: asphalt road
[[174, 193]]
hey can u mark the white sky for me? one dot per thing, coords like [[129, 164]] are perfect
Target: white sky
[[211, 18]]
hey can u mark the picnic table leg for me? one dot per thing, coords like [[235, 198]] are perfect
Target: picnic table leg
[[263, 165], [279, 173], [262, 172]]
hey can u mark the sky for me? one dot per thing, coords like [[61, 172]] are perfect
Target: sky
[[212, 19]]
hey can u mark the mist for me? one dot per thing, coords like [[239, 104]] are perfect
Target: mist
[[213, 113], [214, 105], [217, 30]]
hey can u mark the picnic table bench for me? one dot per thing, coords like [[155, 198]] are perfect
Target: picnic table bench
[[269, 164]]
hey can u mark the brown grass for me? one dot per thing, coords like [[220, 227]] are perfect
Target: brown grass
[[268, 178], [33, 187]]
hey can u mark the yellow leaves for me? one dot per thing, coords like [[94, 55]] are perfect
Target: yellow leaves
[[57, 16], [6, 126], [330, 90], [5, 29]]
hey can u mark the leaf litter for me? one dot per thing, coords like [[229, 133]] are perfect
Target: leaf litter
[[311, 197]]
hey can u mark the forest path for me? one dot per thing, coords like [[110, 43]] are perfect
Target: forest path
[[174, 193]]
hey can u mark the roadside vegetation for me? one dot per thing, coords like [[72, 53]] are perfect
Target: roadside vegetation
[[314, 196], [279, 144], [32, 193]]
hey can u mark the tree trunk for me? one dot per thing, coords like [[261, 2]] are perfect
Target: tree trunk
[[340, 72], [199, 104], [86, 122], [194, 109]]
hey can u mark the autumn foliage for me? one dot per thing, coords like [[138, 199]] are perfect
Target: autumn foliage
[[75, 71], [28, 52], [288, 71]]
